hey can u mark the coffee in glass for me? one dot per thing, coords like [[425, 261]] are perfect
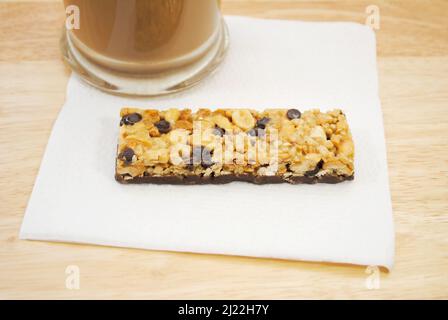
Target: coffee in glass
[[145, 47]]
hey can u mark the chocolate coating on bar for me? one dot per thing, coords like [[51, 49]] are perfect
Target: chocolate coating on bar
[[195, 180]]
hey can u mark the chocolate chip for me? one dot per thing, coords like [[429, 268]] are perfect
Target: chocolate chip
[[126, 155], [293, 114], [207, 160], [252, 132], [197, 155], [163, 126], [134, 118], [256, 132], [217, 131], [203, 156], [313, 172], [130, 119], [262, 122]]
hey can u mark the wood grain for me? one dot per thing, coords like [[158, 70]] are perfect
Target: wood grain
[[413, 67]]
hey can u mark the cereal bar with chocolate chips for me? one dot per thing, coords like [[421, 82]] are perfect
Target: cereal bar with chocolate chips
[[177, 146]]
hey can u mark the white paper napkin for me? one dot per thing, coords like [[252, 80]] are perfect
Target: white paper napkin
[[270, 64]]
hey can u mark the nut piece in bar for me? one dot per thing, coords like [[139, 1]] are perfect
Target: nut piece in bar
[[178, 146]]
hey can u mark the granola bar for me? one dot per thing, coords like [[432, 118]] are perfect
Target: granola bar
[[177, 146]]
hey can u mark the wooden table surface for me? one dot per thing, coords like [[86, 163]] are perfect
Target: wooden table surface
[[413, 68]]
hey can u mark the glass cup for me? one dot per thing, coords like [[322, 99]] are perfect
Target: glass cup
[[144, 47]]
